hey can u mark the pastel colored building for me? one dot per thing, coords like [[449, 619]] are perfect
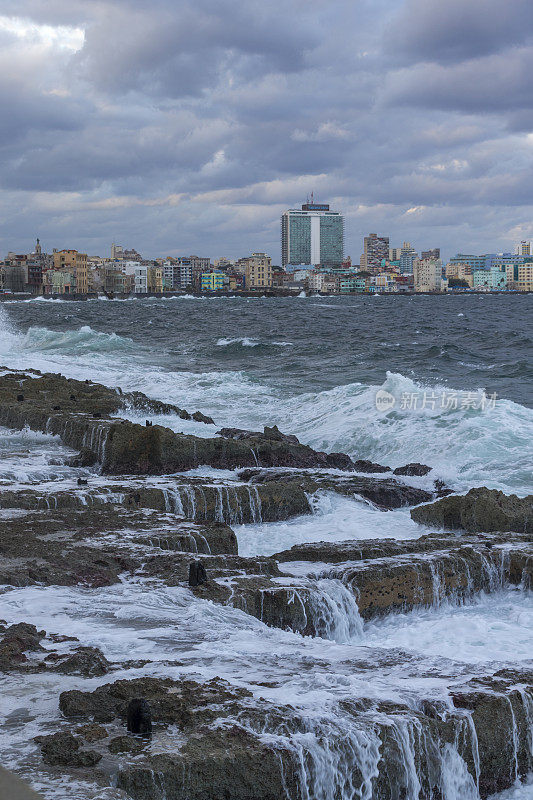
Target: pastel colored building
[[212, 281]]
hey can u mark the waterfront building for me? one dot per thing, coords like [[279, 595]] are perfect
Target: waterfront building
[[376, 248], [404, 283], [459, 272], [315, 281], [60, 281], [427, 274], [312, 235], [347, 284], [255, 260], [525, 278], [14, 276], [474, 262], [235, 281], [258, 273], [489, 279], [76, 263], [213, 281], [407, 258], [385, 282], [488, 260]]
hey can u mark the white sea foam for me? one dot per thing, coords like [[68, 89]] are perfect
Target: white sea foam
[[245, 341], [336, 519]]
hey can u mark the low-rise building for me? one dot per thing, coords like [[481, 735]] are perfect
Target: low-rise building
[[385, 282], [154, 279], [525, 278], [258, 273], [315, 281], [76, 263], [347, 284], [489, 279], [213, 281], [235, 281]]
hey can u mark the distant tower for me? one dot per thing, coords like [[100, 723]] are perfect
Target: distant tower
[[312, 235], [38, 248]]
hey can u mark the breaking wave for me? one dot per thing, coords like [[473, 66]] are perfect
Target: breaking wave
[[245, 341], [83, 340]]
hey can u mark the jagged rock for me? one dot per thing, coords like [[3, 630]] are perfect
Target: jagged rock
[[413, 469], [363, 549], [63, 749], [363, 465], [479, 510], [213, 539], [92, 732], [125, 447], [15, 642], [179, 703], [87, 661], [50, 391], [195, 500], [126, 744], [501, 722], [65, 547]]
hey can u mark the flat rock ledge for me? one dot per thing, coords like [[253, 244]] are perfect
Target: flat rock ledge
[[80, 414], [479, 510], [216, 740]]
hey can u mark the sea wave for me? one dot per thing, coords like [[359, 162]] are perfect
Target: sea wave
[[82, 340], [470, 442], [245, 341], [467, 444]]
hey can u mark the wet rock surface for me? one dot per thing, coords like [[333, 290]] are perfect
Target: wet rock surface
[[48, 392], [479, 510], [195, 499], [80, 414], [385, 493], [229, 744], [66, 547], [209, 738], [63, 749]]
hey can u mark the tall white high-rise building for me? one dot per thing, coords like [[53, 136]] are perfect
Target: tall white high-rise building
[[312, 235]]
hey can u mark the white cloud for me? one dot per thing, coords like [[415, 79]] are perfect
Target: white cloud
[[51, 36]]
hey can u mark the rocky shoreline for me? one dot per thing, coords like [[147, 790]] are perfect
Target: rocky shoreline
[[138, 517]]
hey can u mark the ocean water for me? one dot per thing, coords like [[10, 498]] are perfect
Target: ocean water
[[313, 366]]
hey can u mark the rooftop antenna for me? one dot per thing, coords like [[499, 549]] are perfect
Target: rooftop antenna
[[312, 198]]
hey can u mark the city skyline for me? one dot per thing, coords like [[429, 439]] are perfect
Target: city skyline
[[195, 127]]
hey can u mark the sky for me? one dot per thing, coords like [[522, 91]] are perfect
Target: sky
[[189, 126]]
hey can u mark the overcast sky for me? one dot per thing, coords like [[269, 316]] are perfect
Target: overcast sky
[[188, 126]]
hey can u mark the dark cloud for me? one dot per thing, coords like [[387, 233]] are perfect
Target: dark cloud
[[190, 126], [458, 30], [493, 84]]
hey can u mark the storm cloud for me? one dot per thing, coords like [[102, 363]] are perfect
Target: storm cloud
[[180, 127]]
